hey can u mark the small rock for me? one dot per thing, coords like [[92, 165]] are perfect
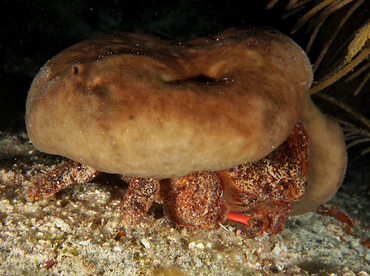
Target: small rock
[[192, 245], [62, 225], [145, 243]]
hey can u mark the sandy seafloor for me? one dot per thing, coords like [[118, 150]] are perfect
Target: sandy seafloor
[[72, 233]]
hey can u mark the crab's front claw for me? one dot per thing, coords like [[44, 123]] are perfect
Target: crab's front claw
[[195, 201]]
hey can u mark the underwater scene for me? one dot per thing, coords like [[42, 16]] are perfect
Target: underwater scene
[[185, 138]]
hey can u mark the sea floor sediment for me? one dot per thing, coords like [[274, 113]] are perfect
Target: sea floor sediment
[[72, 232]]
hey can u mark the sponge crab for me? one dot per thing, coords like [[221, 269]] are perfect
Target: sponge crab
[[216, 128]]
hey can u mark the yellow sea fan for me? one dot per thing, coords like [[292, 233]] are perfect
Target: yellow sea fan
[[356, 51], [359, 41], [347, 57]]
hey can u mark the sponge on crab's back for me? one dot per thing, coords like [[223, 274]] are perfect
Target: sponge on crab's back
[[139, 106]]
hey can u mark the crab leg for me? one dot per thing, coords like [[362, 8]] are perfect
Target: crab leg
[[61, 177], [238, 218], [138, 198]]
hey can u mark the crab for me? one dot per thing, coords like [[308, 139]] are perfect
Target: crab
[[197, 125], [257, 197]]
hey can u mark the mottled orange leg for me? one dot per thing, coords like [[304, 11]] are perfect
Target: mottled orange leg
[[61, 177], [138, 199]]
